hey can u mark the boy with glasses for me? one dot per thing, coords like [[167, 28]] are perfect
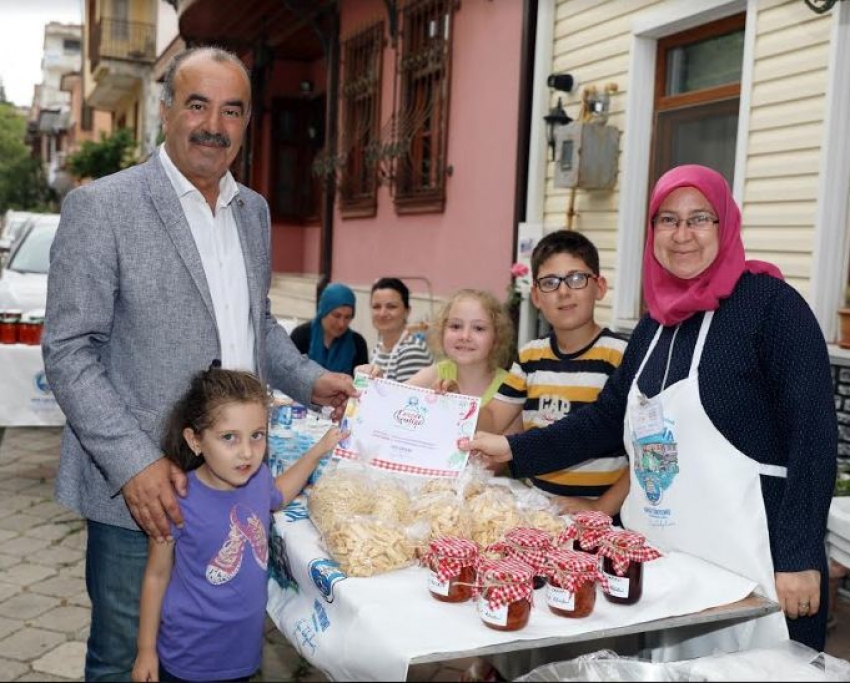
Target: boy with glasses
[[566, 370]]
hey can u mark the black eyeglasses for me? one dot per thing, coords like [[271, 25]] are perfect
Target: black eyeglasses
[[670, 222], [574, 280]]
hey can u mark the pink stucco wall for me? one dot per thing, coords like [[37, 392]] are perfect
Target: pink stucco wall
[[295, 247], [471, 242]]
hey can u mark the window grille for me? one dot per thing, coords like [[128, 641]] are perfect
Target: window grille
[[421, 118], [361, 92]]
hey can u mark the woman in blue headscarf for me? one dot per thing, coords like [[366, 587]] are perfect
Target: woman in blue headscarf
[[327, 338]]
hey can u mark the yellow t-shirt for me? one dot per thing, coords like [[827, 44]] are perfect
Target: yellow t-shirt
[[447, 369]]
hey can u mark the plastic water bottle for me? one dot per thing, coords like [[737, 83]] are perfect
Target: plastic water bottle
[[281, 442], [281, 413]]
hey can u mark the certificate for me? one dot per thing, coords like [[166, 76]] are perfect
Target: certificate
[[407, 429]]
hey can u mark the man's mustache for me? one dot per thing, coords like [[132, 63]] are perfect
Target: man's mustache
[[206, 138]]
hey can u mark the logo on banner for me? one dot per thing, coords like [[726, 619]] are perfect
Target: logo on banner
[[304, 636], [321, 621], [41, 383], [325, 573]]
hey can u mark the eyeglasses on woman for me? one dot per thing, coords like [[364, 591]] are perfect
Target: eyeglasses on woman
[[670, 221]]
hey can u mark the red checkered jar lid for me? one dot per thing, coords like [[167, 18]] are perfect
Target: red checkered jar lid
[[592, 519], [528, 537], [573, 560], [454, 547]]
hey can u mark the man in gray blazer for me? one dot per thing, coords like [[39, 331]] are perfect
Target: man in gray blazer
[[155, 272]]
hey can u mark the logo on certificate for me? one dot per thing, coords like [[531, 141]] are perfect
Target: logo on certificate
[[412, 416]]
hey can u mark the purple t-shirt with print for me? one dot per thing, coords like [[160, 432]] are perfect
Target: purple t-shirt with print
[[215, 603]]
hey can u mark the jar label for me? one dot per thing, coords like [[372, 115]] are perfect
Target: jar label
[[618, 586], [498, 616], [437, 586], [560, 598]]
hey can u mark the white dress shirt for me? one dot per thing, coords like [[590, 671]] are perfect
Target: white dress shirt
[[217, 240]]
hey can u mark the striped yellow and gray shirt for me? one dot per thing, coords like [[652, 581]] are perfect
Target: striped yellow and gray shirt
[[550, 384]]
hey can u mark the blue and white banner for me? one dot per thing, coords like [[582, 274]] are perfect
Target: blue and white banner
[[25, 397]]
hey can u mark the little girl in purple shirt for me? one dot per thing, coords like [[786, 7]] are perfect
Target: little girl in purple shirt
[[204, 592]]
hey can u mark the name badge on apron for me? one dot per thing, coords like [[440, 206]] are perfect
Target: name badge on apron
[[647, 418]]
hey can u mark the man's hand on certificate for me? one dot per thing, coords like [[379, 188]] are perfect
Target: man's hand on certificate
[[369, 369], [334, 389], [492, 450]]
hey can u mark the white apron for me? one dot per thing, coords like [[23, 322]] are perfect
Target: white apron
[[693, 491]]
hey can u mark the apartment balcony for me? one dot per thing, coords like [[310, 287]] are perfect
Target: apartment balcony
[[122, 54]]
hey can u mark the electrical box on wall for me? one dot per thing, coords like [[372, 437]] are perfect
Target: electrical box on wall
[[586, 156]]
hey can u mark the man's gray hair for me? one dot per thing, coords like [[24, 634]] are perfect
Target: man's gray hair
[[217, 54]]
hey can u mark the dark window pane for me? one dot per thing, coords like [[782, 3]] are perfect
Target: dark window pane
[[701, 134], [705, 64]]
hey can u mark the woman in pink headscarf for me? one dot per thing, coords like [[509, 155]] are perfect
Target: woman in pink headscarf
[[724, 402]]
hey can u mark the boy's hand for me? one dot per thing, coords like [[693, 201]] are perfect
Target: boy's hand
[[569, 505], [491, 449], [146, 667]]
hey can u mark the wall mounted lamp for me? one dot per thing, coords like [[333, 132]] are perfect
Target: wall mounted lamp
[[820, 6], [557, 116]]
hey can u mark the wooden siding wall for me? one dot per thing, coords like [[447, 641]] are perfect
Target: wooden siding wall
[[786, 131], [592, 42]]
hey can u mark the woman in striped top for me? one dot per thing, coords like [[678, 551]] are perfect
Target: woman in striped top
[[398, 354]]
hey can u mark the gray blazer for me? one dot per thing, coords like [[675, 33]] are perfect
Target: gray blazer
[[130, 319]]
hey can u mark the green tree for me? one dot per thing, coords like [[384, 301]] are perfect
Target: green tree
[[23, 185], [110, 155], [26, 187]]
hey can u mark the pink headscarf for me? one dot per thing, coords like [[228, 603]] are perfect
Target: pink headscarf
[[671, 299]]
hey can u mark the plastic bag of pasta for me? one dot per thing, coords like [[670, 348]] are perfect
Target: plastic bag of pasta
[[540, 511], [440, 513], [492, 513], [365, 545], [391, 500], [341, 493]]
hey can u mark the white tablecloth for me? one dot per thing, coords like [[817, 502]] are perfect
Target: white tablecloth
[[369, 629], [838, 531], [25, 398]]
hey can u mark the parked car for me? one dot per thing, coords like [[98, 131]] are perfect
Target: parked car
[[14, 223], [23, 280]]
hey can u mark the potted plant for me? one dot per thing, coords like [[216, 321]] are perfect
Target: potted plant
[[844, 321]]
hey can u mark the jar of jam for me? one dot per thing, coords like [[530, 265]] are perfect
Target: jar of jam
[[452, 562], [527, 545], [586, 530], [30, 327], [505, 594], [9, 321], [623, 554], [572, 583]]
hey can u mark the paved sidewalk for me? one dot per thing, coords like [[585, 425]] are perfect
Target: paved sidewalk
[[44, 609]]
